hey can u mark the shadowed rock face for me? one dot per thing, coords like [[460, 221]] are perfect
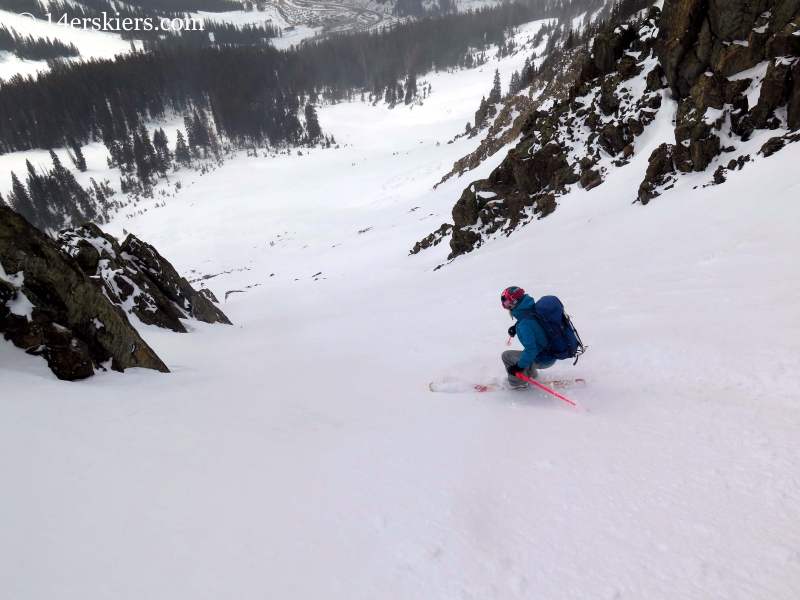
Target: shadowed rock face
[[724, 37], [698, 45], [99, 256], [169, 282], [135, 277], [50, 307], [717, 35], [701, 44]]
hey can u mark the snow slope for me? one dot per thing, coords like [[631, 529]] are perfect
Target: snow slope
[[91, 44], [270, 15], [102, 44], [299, 453]]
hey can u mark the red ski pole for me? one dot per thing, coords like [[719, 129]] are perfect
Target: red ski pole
[[546, 389]]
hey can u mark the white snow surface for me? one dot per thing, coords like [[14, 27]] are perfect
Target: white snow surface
[[91, 44], [19, 303], [15, 279], [300, 454]]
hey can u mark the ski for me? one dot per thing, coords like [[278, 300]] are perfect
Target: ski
[[460, 387]]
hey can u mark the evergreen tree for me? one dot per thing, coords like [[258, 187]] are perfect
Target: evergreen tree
[[2, 202], [191, 134], [68, 194], [514, 85], [163, 155], [80, 161], [98, 192], [528, 73], [39, 197], [312, 124], [200, 130], [197, 133], [20, 201], [114, 153], [147, 146], [496, 94], [28, 47], [411, 88], [182, 155], [61, 198], [143, 166], [481, 113], [126, 154]]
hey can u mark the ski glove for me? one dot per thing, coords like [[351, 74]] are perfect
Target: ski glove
[[513, 370], [512, 331]]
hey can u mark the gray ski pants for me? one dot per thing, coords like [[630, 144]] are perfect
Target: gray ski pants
[[511, 357]]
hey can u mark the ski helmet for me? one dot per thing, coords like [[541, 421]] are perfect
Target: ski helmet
[[511, 296]]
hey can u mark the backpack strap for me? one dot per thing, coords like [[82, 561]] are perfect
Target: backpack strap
[[528, 314], [531, 314]]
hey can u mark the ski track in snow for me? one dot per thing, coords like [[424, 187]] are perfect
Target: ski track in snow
[[299, 453]]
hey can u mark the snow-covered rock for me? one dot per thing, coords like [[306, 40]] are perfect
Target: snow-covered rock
[[50, 307], [691, 55], [135, 277]]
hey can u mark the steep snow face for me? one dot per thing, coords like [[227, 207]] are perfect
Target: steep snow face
[[300, 453]]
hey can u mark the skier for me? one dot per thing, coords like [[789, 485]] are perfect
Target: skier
[[531, 335]]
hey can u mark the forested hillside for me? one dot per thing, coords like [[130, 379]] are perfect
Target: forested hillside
[[252, 93]]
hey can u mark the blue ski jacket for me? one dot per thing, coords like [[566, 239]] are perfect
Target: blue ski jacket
[[530, 334]]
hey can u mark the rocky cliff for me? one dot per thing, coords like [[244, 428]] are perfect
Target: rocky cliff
[[68, 300], [730, 67], [135, 277], [49, 307], [733, 68]]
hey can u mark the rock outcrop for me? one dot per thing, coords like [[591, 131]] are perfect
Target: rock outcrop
[[693, 52], [169, 282], [99, 256], [561, 144], [701, 47], [68, 300], [51, 308], [431, 240], [724, 37], [552, 82], [135, 277]]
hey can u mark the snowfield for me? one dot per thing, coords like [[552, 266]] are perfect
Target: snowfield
[[91, 44], [299, 454]]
